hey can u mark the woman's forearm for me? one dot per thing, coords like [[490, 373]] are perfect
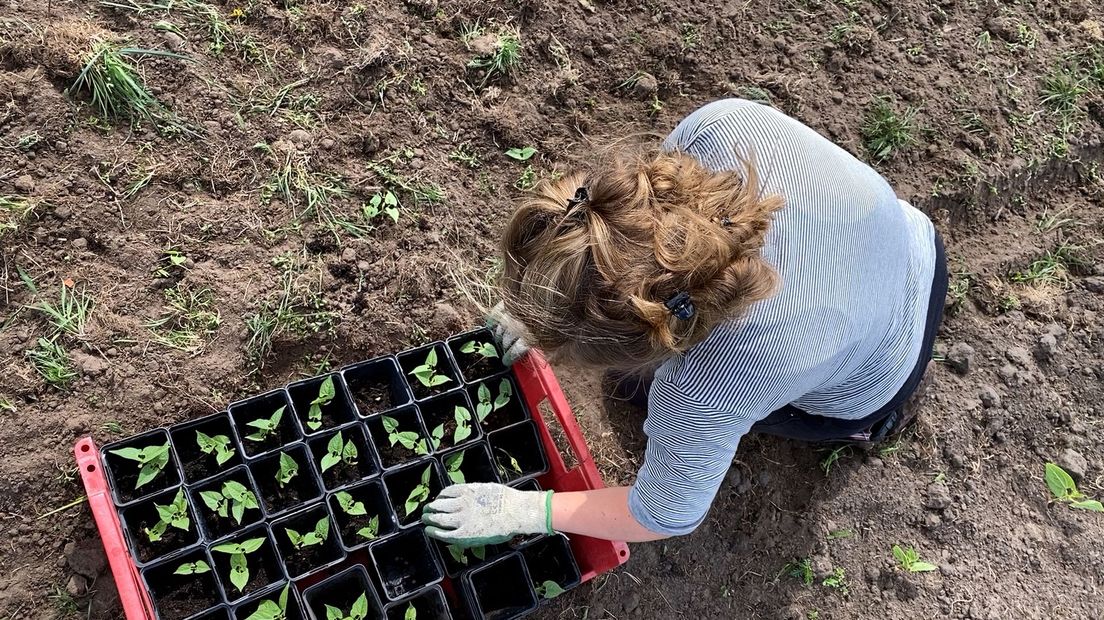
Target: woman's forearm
[[602, 513]]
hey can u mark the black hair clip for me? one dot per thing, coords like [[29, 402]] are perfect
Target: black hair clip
[[681, 306], [581, 195]]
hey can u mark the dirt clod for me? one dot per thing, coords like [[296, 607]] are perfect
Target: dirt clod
[[989, 397], [77, 586], [960, 357], [86, 557], [1074, 463], [1018, 356], [24, 183], [937, 497]]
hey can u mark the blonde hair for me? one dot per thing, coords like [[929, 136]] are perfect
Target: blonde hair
[[589, 282]]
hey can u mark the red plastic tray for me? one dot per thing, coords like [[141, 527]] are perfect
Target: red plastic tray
[[537, 383]]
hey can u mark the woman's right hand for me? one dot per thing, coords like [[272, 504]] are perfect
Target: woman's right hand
[[508, 333]]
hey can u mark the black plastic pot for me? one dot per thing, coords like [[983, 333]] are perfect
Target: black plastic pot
[[136, 518], [467, 558], [474, 366], [264, 567], [522, 442], [309, 560], [264, 407], [337, 412], [513, 412], [222, 612], [176, 597], [439, 412], [293, 610], [499, 589], [122, 474], [392, 456], [304, 488], [212, 525], [372, 494], [429, 604], [549, 558], [475, 465], [376, 386], [405, 563], [409, 360], [525, 484], [342, 591], [342, 473], [402, 481], [197, 465]]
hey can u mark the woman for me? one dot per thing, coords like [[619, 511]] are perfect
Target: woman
[[773, 282]]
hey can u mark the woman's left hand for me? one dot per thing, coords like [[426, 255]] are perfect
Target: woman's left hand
[[480, 513]]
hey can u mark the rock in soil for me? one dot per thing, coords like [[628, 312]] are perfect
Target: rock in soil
[[1018, 356], [86, 557], [937, 497], [1074, 463], [960, 357], [989, 396]]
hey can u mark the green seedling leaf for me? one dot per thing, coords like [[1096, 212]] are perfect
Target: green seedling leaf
[[411, 612], [458, 555], [437, 435], [1087, 504], [360, 608], [427, 373], [157, 532], [267, 610], [193, 568], [333, 452], [174, 515], [390, 425], [421, 448], [521, 154], [152, 461], [333, 613], [505, 391], [463, 424], [452, 466], [288, 470], [239, 571], [326, 393], [1061, 483], [483, 349], [909, 559], [219, 446], [349, 505], [266, 426], [549, 590], [419, 494], [370, 531]]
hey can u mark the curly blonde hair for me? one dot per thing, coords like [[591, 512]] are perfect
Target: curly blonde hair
[[590, 280]]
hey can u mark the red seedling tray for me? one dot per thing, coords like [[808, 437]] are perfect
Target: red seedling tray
[[537, 383]]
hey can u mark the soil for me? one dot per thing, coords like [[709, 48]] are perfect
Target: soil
[[549, 560], [185, 601], [258, 579], [309, 558], [373, 397], [425, 608], [272, 441], [392, 456], [126, 476], [521, 443], [297, 491], [475, 367], [379, 94], [171, 540], [201, 466], [341, 474]]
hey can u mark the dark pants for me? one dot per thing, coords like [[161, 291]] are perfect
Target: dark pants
[[793, 423]]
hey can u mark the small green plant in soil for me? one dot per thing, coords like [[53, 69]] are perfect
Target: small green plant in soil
[[408, 439], [116, 89], [359, 610], [151, 461], [217, 446], [266, 427], [411, 612], [800, 569], [71, 312], [502, 60], [909, 559], [172, 515], [487, 404], [886, 132], [288, 470], [837, 581], [193, 568], [314, 537], [452, 467], [485, 350], [239, 563], [354, 508], [325, 396], [272, 610], [419, 494], [549, 590], [1065, 491], [232, 501], [52, 363], [463, 429], [507, 463], [460, 554], [14, 211], [427, 373], [520, 154], [339, 451], [382, 204]]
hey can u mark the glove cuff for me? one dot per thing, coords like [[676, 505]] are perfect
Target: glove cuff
[[535, 514]]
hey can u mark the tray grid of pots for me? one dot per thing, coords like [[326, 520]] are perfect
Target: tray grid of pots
[[305, 502]]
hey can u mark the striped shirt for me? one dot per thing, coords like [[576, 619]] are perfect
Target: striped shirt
[[838, 339]]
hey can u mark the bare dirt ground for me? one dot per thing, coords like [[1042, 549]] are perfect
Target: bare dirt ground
[[225, 248]]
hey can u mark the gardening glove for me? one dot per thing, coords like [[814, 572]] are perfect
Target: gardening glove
[[508, 332], [481, 513]]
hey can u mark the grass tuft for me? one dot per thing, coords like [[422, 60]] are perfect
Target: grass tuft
[[14, 210], [293, 312], [1062, 90], [52, 362], [189, 318], [116, 89], [70, 314], [885, 132], [502, 61]]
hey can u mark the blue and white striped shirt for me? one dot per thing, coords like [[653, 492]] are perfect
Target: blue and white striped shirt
[[839, 338]]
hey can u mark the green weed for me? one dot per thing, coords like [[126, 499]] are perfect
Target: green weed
[[909, 560], [502, 61], [293, 312], [52, 362], [689, 37], [886, 132], [464, 154], [800, 569], [189, 317], [116, 89], [833, 457], [14, 211], [837, 581], [300, 187], [959, 289], [70, 314], [1062, 89], [1049, 222], [1051, 268], [1061, 485]]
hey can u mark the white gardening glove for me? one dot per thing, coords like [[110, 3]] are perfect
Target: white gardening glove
[[508, 332], [482, 513]]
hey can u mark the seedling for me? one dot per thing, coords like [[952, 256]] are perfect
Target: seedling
[[239, 565], [173, 515], [266, 426], [549, 590], [802, 570], [508, 461], [70, 314], [522, 154], [232, 501], [427, 373], [354, 508], [419, 494], [462, 431], [452, 468], [486, 405], [459, 553], [193, 568], [1062, 486], [288, 470], [483, 349], [116, 89], [411, 612], [14, 211], [909, 559], [359, 610], [885, 131], [408, 439], [219, 446], [385, 203], [272, 610], [326, 395], [339, 451], [172, 261], [838, 581], [316, 537], [151, 460], [502, 60]]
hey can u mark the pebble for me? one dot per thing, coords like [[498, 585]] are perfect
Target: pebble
[[24, 184], [1094, 284], [1074, 463], [645, 86], [77, 586], [63, 213], [632, 602], [349, 255], [89, 364], [1047, 347], [80, 243], [960, 357], [990, 397], [299, 136]]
